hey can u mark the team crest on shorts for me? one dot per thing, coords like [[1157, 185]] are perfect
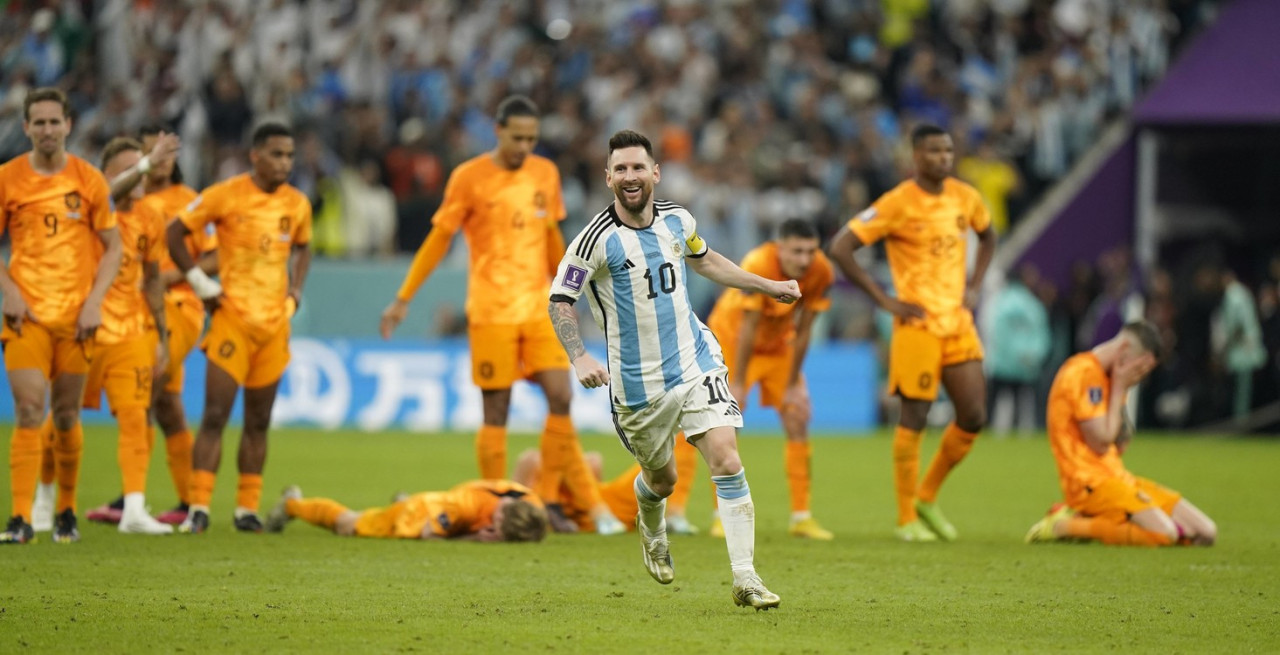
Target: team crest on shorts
[[1095, 395]]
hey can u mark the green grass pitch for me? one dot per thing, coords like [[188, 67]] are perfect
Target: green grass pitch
[[307, 590]]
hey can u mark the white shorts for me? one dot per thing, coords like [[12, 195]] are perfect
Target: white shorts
[[693, 407]]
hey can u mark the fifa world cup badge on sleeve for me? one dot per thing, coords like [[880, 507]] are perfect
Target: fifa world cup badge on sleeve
[[573, 277]]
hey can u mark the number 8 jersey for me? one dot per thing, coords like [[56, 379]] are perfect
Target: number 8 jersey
[[635, 283], [52, 221]]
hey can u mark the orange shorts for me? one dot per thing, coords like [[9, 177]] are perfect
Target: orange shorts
[[1119, 499], [124, 371], [502, 354], [771, 373], [917, 357], [252, 359], [39, 348], [184, 333]]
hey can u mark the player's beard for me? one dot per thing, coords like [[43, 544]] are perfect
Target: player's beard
[[646, 191]]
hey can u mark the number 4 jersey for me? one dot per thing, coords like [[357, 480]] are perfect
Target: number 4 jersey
[[635, 283], [256, 233], [52, 221]]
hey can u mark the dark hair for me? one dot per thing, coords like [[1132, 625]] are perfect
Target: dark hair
[[629, 139], [924, 131], [268, 130], [116, 146], [45, 94], [1147, 335], [154, 129], [515, 106], [797, 227]]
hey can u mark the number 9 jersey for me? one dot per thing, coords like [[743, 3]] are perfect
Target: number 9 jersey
[[52, 221], [635, 282]]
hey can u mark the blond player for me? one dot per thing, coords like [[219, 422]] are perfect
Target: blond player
[[1088, 432], [481, 510], [765, 343], [264, 231], [507, 203], [925, 223], [56, 208]]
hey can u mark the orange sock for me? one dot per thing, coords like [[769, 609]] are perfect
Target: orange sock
[[956, 443], [491, 450], [575, 473], [68, 446], [1112, 533], [24, 468], [178, 448], [906, 468], [201, 490], [249, 491], [799, 478], [48, 465], [554, 449], [316, 511], [686, 469], [133, 450]]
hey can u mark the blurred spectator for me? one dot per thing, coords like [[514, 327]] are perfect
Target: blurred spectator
[[1269, 319], [1018, 345], [368, 211], [994, 178], [1237, 342]]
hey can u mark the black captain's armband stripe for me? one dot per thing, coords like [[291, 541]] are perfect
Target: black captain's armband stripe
[[560, 297], [699, 255]]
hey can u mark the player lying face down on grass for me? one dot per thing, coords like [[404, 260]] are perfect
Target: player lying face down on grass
[[481, 510]]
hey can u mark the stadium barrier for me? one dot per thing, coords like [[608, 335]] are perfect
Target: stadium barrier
[[425, 386]]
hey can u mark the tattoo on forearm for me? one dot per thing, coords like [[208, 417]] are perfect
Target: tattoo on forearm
[[565, 321]]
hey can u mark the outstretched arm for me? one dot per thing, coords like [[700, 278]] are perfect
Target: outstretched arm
[[591, 374], [717, 268]]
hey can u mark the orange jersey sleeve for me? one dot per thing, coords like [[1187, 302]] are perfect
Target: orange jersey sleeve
[[504, 216], [776, 329], [125, 314], [53, 221], [1081, 391], [926, 238], [256, 233], [468, 508]]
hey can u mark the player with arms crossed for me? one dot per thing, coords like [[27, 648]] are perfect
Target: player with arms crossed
[[925, 222], [54, 206], [264, 231], [666, 372], [480, 510], [1088, 433], [508, 204], [765, 343], [159, 174]]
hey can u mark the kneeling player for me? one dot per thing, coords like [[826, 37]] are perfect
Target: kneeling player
[[1088, 434], [481, 510]]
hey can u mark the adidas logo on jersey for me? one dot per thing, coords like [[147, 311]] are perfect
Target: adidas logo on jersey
[[628, 265]]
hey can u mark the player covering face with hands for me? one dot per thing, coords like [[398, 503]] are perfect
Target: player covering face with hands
[[666, 372]]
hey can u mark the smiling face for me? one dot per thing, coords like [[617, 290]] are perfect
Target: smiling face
[[47, 126], [632, 175]]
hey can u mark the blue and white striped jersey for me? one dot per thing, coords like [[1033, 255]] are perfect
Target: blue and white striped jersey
[[635, 282]]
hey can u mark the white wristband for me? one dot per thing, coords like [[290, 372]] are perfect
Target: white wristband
[[144, 164], [204, 286]]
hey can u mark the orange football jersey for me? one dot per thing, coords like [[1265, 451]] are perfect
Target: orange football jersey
[[926, 240], [465, 509], [1081, 391], [52, 222], [124, 309], [504, 216], [170, 202], [777, 326], [256, 233]]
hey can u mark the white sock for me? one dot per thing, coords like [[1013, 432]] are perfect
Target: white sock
[[653, 509], [738, 516], [797, 517], [192, 509], [134, 503], [46, 492], [244, 511]]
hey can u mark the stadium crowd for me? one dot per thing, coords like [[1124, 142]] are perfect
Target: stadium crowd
[[763, 111]]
